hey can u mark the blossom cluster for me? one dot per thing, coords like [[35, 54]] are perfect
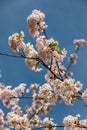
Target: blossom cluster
[[42, 100], [59, 85], [9, 95], [16, 41], [35, 23], [74, 123], [48, 49]]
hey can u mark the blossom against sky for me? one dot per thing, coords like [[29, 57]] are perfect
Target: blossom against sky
[[67, 20]]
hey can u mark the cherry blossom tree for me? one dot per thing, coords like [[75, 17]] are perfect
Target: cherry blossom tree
[[59, 86]]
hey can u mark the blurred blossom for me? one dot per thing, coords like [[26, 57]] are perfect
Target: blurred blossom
[[79, 42], [73, 58], [84, 96]]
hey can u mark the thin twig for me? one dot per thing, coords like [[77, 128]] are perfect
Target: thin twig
[[44, 31], [10, 55], [41, 61], [37, 58], [17, 56], [58, 68], [70, 64], [58, 126], [22, 97]]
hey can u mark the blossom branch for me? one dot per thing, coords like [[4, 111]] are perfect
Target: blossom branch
[[10, 55], [59, 84], [31, 97], [44, 31], [78, 44], [59, 126], [55, 126], [41, 61], [36, 58]]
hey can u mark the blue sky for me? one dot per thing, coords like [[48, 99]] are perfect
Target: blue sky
[[67, 20]]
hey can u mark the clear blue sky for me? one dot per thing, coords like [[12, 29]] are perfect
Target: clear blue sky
[[67, 20]]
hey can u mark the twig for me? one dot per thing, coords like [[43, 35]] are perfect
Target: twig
[[58, 126], [37, 58]]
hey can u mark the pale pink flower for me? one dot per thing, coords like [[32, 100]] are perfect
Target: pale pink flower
[[50, 78], [32, 64], [9, 96], [74, 123], [67, 89], [19, 90], [49, 123], [26, 109], [40, 42], [1, 116], [1, 113], [2, 86], [73, 58], [10, 102], [35, 23], [33, 87], [84, 96], [79, 42], [16, 41], [31, 57], [83, 123], [18, 121], [37, 120], [59, 56], [45, 91], [29, 50], [17, 109], [48, 49], [44, 51], [5, 94], [70, 122], [78, 86], [2, 122]]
